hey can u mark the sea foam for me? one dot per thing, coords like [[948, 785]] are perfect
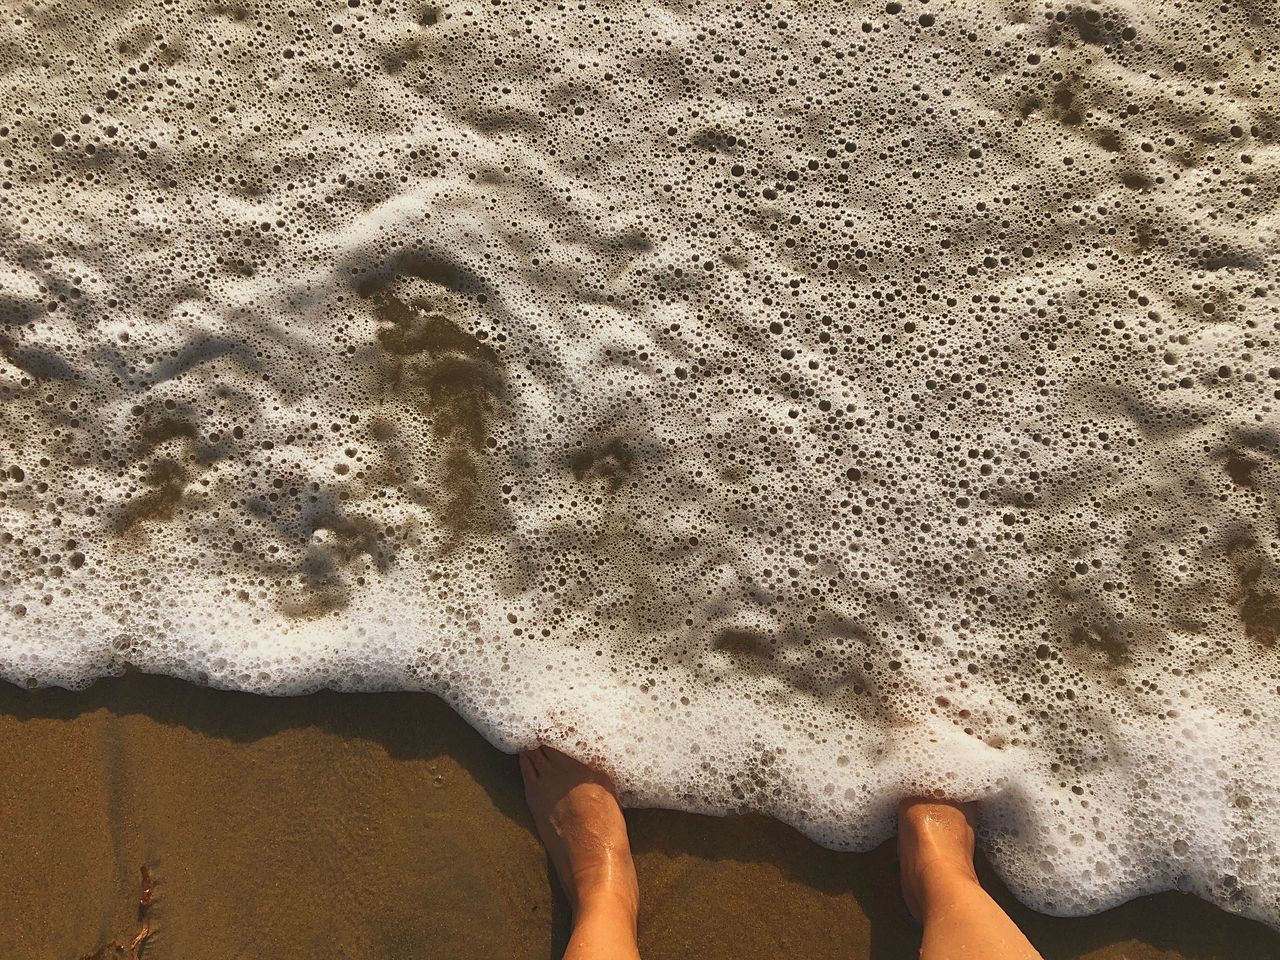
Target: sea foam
[[789, 405]]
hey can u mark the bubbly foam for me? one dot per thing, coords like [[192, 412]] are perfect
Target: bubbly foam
[[792, 404]]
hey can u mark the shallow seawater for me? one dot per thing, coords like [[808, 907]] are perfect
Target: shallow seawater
[[789, 405]]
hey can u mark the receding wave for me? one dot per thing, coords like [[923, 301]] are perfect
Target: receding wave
[[791, 405]]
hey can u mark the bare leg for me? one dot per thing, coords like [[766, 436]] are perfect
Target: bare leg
[[581, 826], [961, 922]]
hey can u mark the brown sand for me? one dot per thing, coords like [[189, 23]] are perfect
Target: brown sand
[[381, 826]]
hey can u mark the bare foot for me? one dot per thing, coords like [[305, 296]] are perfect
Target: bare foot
[[582, 827], [935, 846]]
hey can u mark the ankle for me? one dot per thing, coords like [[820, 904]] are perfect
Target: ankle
[[618, 902], [940, 881]]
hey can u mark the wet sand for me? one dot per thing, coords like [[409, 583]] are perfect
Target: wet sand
[[380, 826]]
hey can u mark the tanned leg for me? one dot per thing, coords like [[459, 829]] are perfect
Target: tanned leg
[[582, 827], [961, 922]]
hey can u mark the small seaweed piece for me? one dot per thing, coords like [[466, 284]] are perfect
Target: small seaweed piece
[[144, 904], [135, 948]]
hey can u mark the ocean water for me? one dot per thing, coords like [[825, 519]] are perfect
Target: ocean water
[[787, 405]]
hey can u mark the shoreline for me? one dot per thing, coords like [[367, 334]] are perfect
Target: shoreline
[[383, 826]]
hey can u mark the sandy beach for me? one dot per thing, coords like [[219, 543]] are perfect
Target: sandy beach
[[382, 827], [797, 404]]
